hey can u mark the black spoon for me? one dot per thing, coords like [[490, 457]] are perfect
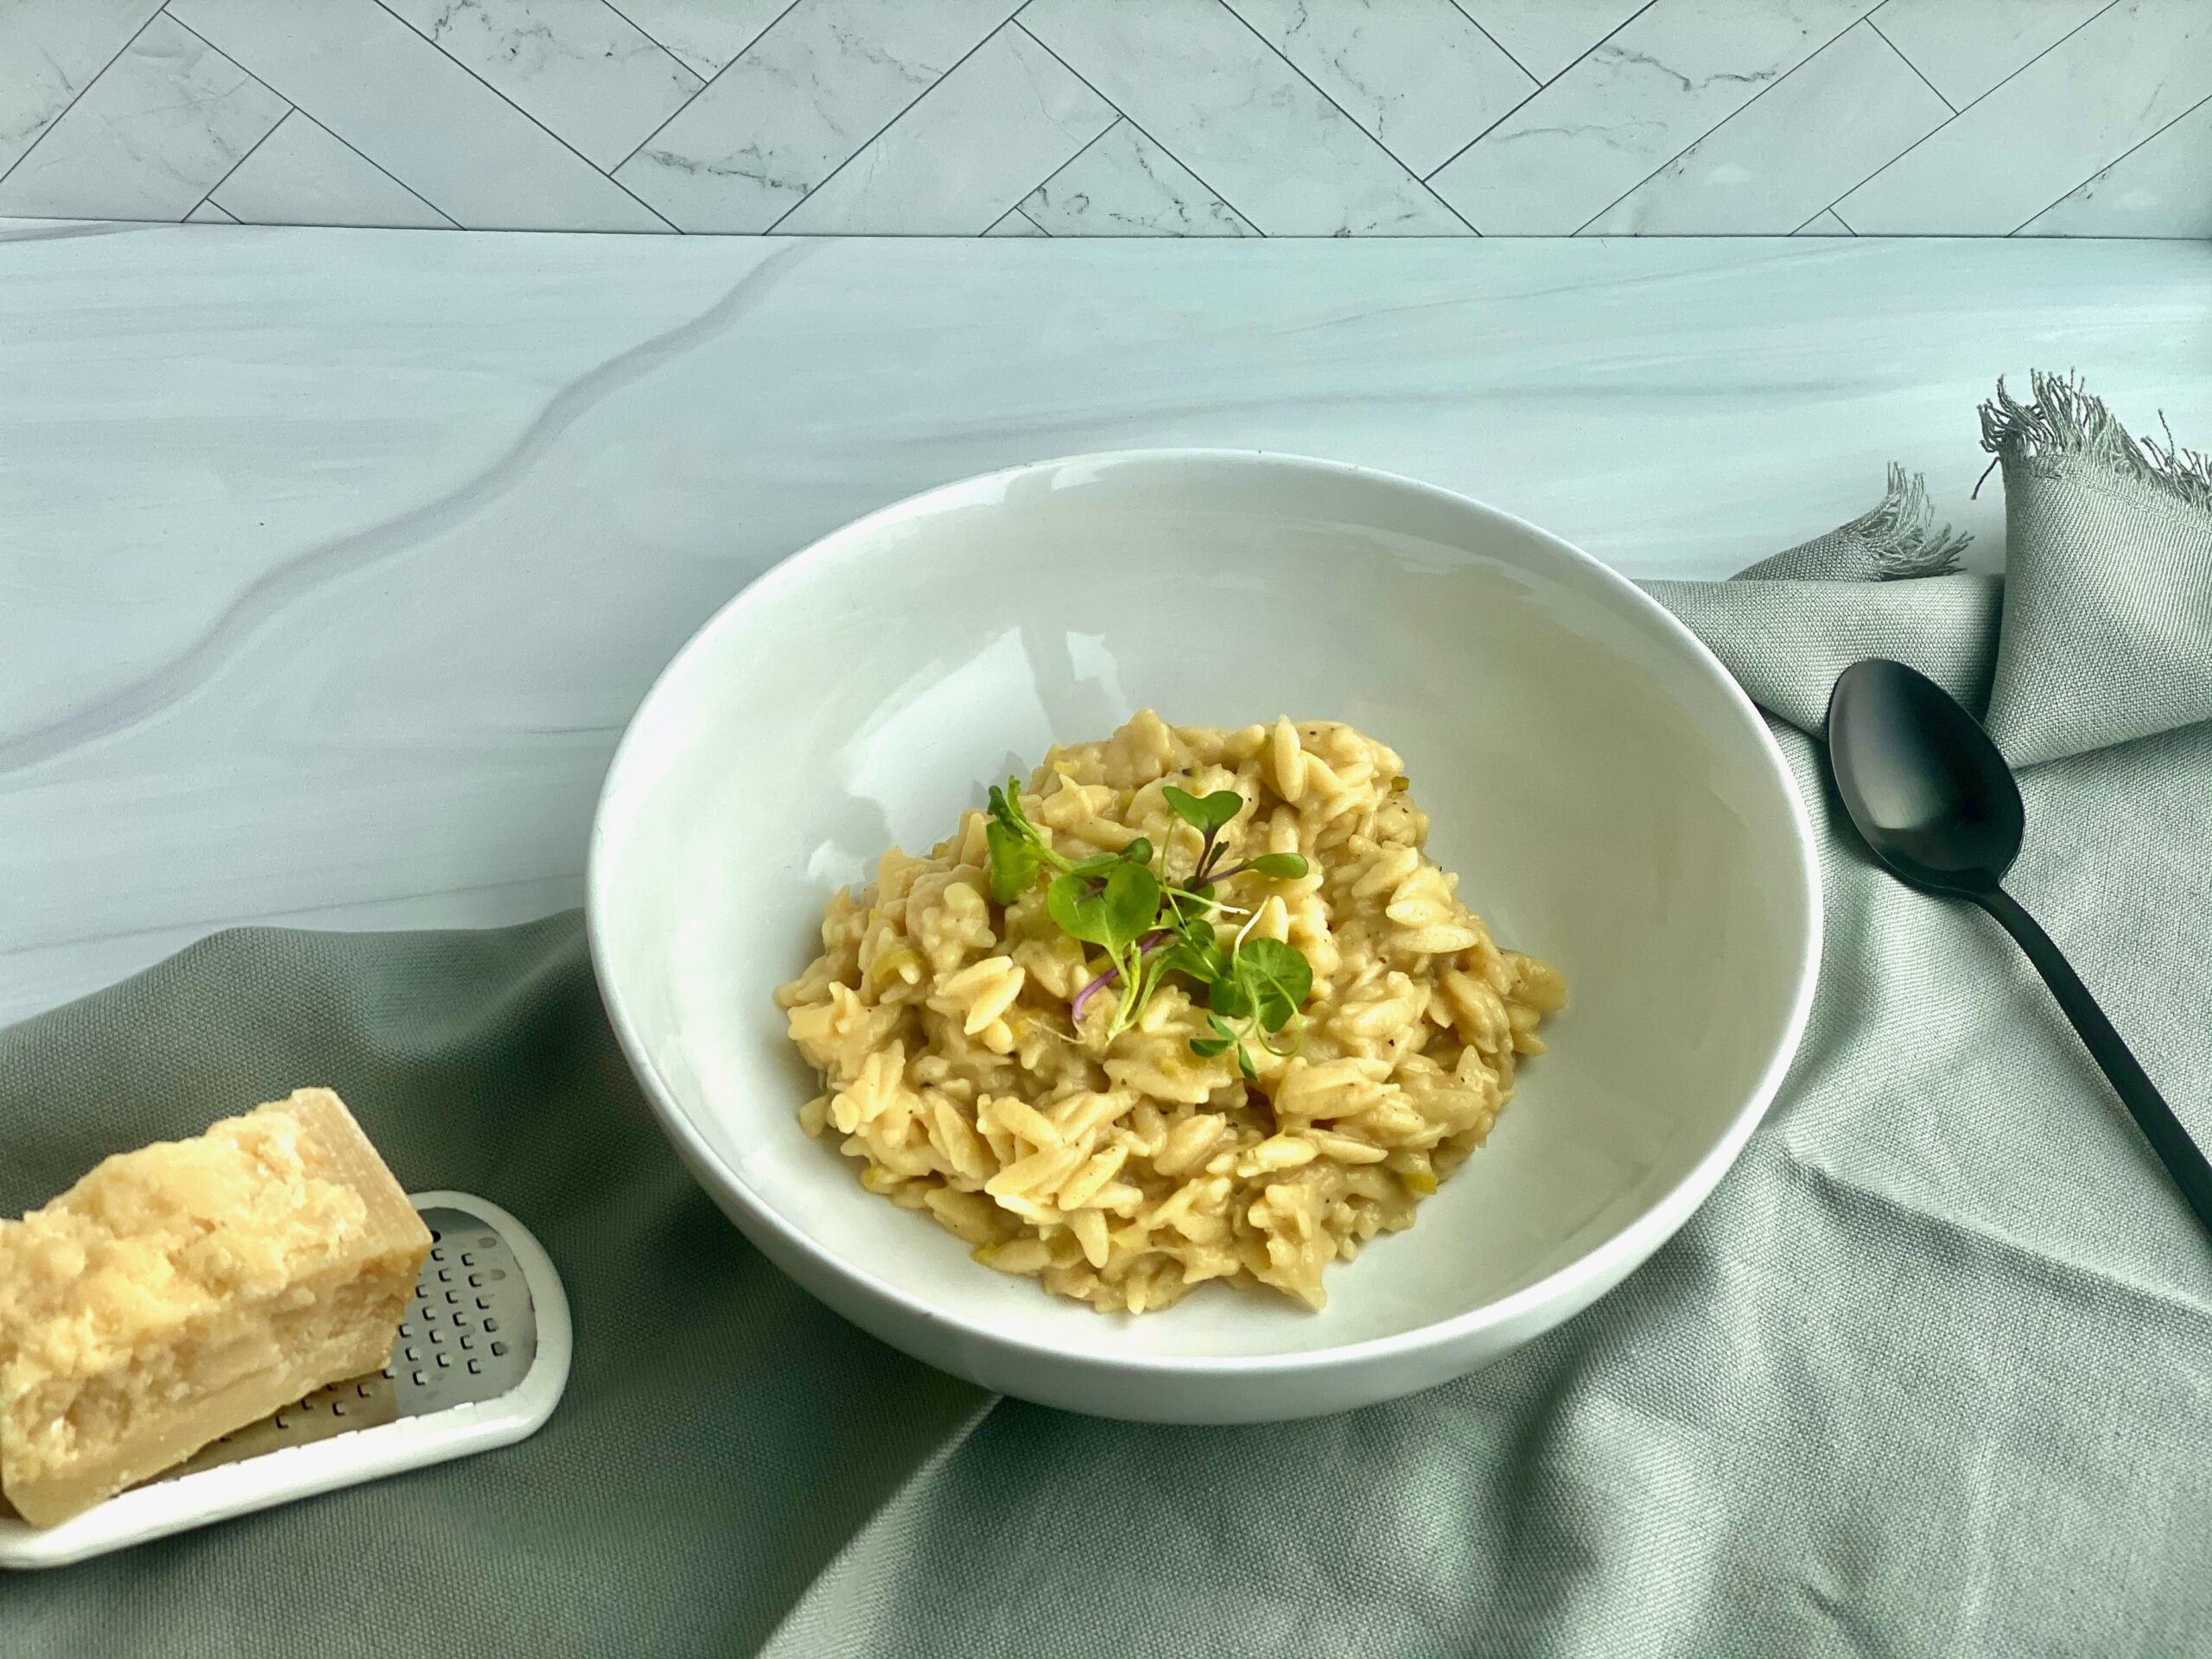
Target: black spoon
[[1938, 805]]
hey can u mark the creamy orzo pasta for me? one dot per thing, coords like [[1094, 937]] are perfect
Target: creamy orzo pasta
[[1125, 1147]]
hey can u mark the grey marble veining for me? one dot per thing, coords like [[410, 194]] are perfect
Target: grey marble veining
[[335, 560], [1417, 74], [1123, 184], [53, 50], [1671, 72], [1242, 118], [799, 103], [579, 66], [171, 116]]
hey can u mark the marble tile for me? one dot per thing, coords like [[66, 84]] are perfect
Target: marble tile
[[970, 151], [300, 175], [1126, 184], [1015, 222], [1231, 110], [208, 213], [799, 102], [150, 138], [378, 85], [704, 35], [1545, 36], [1671, 75], [369, 671], [1966, 47], [1821, 129], [2078, 108], [580, 67], [1822, 224], [2161, 187], [1416, 73], [49, 51]]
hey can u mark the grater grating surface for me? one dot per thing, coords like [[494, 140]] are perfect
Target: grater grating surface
[[481, 1362], [471, 1335]]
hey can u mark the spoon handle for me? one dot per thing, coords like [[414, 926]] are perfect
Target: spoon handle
[[2184, 1161]]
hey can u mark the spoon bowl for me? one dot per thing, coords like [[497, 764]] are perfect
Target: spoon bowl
[[1926, 788]]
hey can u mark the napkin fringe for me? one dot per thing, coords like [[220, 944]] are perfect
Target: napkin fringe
[[1901, 535], [2063, 422]]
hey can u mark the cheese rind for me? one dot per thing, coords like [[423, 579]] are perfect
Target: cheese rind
[[185, 1290]]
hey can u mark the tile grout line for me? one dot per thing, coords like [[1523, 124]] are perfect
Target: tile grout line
[[450, 220], [1479, 136], [2107, 167], [526, 115], [1500, 45], [703, 84], [1118, 119], [1730, 116], [1025, 217], [1908, 62], [290, 110], [990, 35], [1242, 218], [159, 11], [648, 39], [1835, 206], [1268, 45], [1544, 88]]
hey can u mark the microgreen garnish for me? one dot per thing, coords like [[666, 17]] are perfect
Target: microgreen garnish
[[1150, 927], [1205, 814], [1264, 985]]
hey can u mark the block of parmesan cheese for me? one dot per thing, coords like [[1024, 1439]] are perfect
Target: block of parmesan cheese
[[192, 1287]]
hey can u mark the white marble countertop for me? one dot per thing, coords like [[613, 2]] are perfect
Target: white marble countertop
[[332, 561]]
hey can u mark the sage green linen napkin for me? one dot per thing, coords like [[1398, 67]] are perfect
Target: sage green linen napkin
[[1931, 1373]]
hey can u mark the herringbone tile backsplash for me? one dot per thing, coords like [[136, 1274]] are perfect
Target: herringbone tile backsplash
[[1118, 117]]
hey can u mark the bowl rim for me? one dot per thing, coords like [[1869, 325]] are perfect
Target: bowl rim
[[1603, 1266]]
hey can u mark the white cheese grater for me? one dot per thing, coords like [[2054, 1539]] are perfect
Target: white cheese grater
[[481, 1360]]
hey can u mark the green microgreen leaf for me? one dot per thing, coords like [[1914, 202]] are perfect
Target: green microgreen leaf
[[1019, 848], [1014, 862], [1188, 913], [1113, 912], [1279, 977], [1184, 958], [1244, 1064], [1132, 898], [1277, 867], [1231, 996], [1207, 1047], [1205, 814], [1208, 958], [1077, 905]]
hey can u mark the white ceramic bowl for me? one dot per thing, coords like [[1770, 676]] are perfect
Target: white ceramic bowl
[[1609, 798]]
